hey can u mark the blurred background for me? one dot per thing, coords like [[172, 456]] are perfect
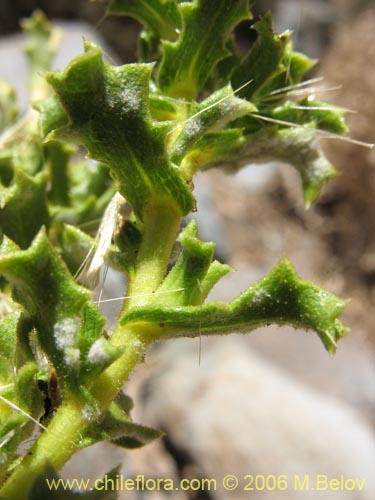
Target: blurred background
[[272, 402]]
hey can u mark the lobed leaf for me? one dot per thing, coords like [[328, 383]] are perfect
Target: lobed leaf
[[310, 110], [23, 207], [68, 325], [41, 45], [194, 273], [116, 425], [295, 145], [8, 107], [280, 298], [209, 115], [263, 62], [119, 131], [162, 17], [188, 62]]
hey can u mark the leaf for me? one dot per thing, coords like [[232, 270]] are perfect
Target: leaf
[[311, 110], [281, 298], [264, 60], [57, 157], [19, 388], [194, 273], [211, 114], [8, 338], [117, 426], [206, 26], [161, 17], [119, 131], [214, 149], [47, 291], [51, 115], [75, 245], [293, 68], [297, 146], [28, 155], [41, 46], [149, 47], [70, 328], [96, 351], [8, 106], [23, 207]]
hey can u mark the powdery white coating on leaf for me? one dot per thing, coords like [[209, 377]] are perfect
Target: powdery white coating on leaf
[[89, 412], [65, 331], [139, 345], [193, 127], [97, 354], [72, 357], [130, 98], [259, 296]]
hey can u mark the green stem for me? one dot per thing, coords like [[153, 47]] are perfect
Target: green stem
[[69, 425], [161, 224]]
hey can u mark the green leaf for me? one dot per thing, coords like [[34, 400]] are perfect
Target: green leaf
[[164, 108], [117, 426], [206, 26], [194, 273], [149, 47], [263, 62], [27, 394], [297, 146], [128, 239], [21, 401], [89, 191], [281, 298], [57, 157], [28, 155], [51, 114], [41, 46], [8, 338], [75, 245], [23, 207], [214, 149], [70, 328], [211, 114], [160, 16], [119, 131], [294, 67], [8, 106], [96, 351], [47, 291], [311, 110]]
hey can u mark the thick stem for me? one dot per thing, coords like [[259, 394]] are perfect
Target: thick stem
[[69, 424], [161, 224]]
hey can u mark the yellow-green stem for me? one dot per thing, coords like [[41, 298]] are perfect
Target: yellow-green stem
[[161, 225]]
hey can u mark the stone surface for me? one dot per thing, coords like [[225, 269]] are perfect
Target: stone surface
[[234, 413]]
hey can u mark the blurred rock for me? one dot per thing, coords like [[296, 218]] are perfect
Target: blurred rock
[[348, 203], [236, 414]]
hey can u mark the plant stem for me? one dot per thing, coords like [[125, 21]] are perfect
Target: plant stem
[[161, 224], [69, 425]]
